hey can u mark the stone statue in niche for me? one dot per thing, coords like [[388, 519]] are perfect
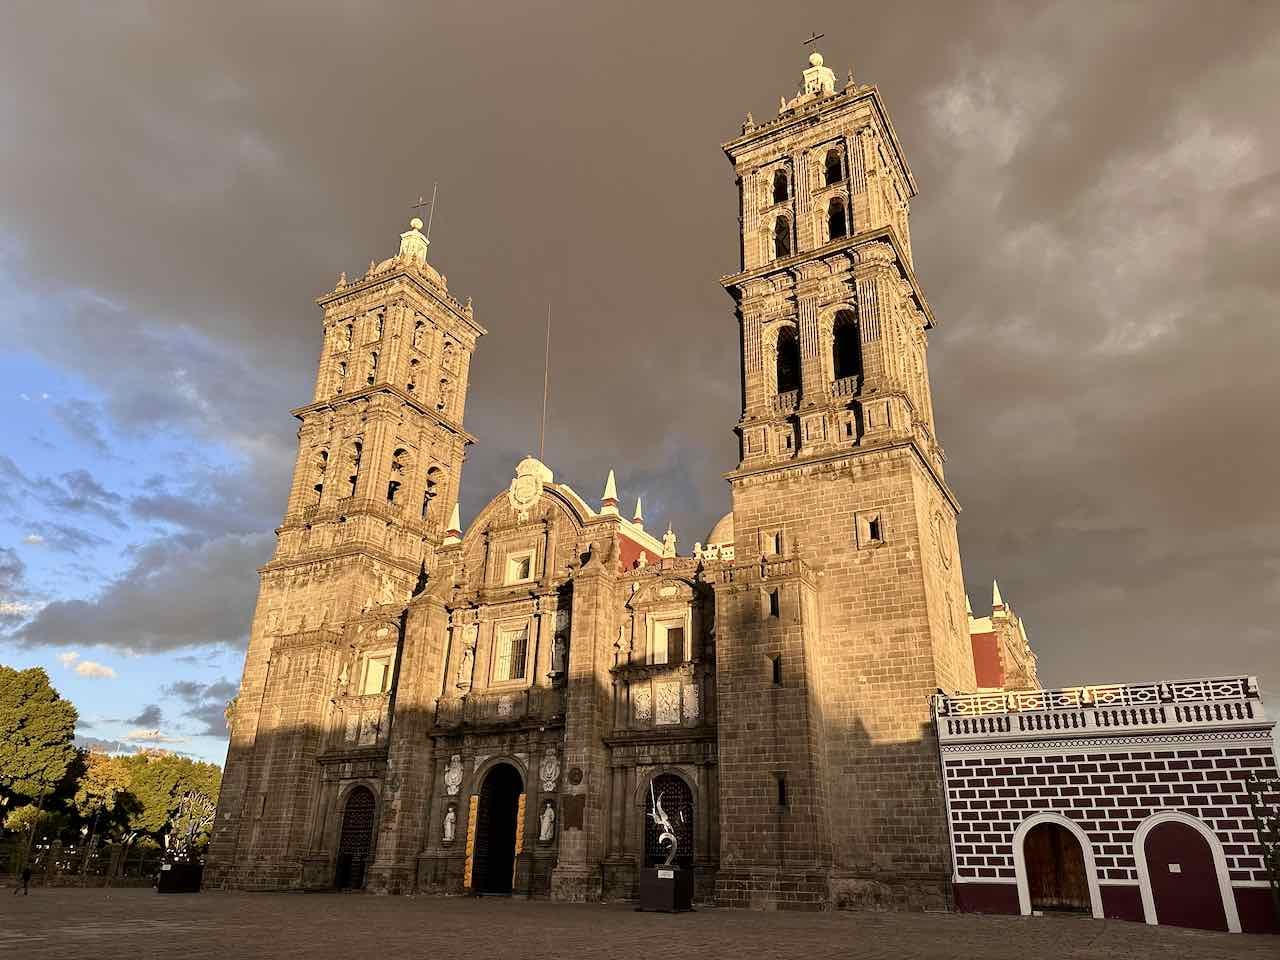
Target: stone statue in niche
[[450, 823], [547, 822], [558, 650], [453, 775], [467, 661]]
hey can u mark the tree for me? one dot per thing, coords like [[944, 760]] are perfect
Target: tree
[[100, 785], [157, 783], [36, 731]]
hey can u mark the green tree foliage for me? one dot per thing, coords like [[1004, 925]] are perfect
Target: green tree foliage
[[157, 783], [26, 818], [99, 786], [36, 729]]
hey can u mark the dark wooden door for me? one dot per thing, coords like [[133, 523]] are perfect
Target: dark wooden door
[[1184, 880], [355, 845], [496, 825], [1056, 877]]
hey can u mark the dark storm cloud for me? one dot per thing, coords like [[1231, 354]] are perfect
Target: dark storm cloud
[[1096, 231], [151, 716], [206, 703], [181, 591]]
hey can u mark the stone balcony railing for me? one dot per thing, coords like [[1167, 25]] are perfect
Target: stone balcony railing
[[1094, 710], [845, 386], [788, 402], [539, 703]]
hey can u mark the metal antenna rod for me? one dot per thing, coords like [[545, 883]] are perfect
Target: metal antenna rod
[[546, 384], [432, 212]]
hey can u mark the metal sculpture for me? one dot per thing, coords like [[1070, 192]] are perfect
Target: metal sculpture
[[667, 832]]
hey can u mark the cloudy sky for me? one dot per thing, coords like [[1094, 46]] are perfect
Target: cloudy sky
[[1097, 232]]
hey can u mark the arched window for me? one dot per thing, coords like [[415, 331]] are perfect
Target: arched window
[[435, 478], [836, 226], [781, 187], [781, 238], [413, 376], [397, 473], [846, 345], [834, 168], [788, 361], [318, 468], [353, 459], [373, 368]]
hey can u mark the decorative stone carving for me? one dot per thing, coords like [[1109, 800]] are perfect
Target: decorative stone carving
[[504, 707], [549, 770], [668, 703], [526, 488], [450, 823], [453, 775], [690, 701], [467, 662], [353, 728], [558, 650], [642, 703]]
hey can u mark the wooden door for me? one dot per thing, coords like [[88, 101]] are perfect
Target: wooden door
[[1056, 876]]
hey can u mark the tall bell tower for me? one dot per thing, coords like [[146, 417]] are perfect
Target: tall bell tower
[[844, 610], [380, 451]]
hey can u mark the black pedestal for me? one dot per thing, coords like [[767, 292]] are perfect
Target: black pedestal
[[667, 889], [179, 878]]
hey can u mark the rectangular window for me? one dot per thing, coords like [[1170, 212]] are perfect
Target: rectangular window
[[513, 645], [776, 662], [519, 567], [377, 675], [782, 788], [775, 604], [668, 643]]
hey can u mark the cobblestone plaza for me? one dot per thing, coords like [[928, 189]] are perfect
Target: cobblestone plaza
[[139, 924]]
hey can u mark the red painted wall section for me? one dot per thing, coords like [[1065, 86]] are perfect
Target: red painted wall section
[[629, 552], [986, 659]]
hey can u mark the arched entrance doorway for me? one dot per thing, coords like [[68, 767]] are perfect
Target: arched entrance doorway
[[1056, 875], [497, 824], [355, 844], [1183, 877], [677, 804]]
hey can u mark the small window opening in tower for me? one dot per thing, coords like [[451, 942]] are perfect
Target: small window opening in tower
[[434, 475], [412, 384], [356, 449], [781, 187], [846, 345], [874, 529], [373, 367], [834, 168], [781, 238], [788, 360], [380, 322], [322, 464], [347, 333], [782, 788], [836, 225], [790, 441], [775, 604], [418, 328], [775, 543], [776, 664]]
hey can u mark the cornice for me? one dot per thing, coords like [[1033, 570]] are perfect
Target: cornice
[[734, 283], [366, 285], [333, 403]]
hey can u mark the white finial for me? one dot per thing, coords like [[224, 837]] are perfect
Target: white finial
[[996, 600], [638, 517], [454, 533], [609, 502]]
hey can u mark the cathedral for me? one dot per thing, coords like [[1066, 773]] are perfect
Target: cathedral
[[492, 710]]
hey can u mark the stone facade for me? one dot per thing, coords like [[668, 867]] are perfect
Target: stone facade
[[498, 711]]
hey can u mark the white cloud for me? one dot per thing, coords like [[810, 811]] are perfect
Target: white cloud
[[91, 668], [15, 608], [68, 658], [152, 736], [34, 539]]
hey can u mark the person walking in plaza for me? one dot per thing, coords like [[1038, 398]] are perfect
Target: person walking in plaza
[[26, 879]]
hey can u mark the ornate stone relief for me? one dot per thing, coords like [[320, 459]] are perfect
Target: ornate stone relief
[[453, 774], [549, 770], [668, 703], [642, 703], [691, 702]]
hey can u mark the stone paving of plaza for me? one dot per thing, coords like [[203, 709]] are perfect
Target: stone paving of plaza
[[129, 924]]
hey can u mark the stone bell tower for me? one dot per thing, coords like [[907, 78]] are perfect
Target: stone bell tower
[[844, 608], [380, 451]]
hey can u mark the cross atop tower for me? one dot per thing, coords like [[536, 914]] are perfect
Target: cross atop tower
[[814, 39]]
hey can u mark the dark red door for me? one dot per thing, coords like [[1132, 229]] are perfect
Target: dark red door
[[1184, 881]]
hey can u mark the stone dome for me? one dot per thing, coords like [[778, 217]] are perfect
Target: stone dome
[[722, 532]]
